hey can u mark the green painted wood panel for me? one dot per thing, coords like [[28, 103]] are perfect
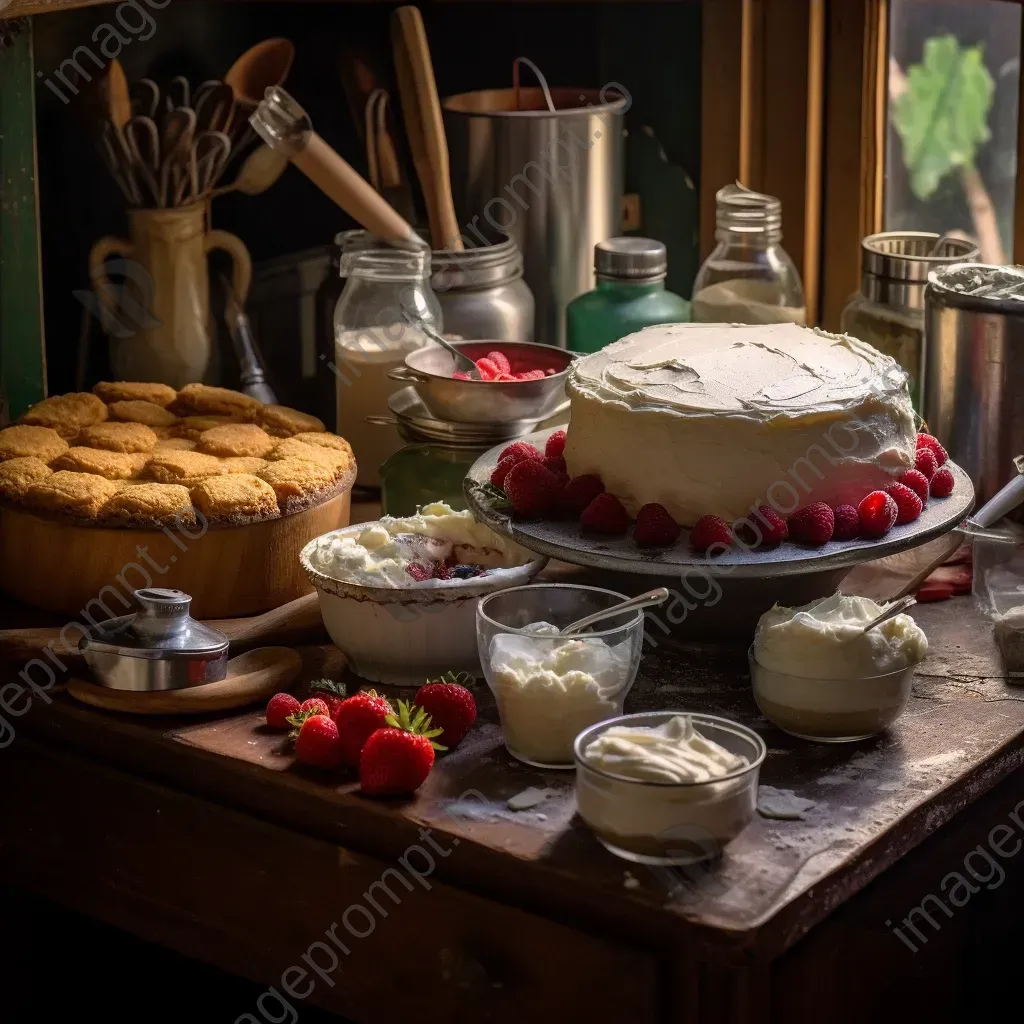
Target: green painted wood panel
[[22, 353]]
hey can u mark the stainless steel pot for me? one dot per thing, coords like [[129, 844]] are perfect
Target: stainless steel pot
[[974, 368], [550, 175], [486, 401]]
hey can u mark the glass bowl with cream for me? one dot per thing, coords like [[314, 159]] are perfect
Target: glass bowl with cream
[[667, 787], [817, 676], [399, 595], [550, 687]]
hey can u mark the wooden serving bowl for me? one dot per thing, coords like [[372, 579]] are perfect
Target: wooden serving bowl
[[230, 571]]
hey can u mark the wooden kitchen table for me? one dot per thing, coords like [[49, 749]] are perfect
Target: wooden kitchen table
[[204, 837]]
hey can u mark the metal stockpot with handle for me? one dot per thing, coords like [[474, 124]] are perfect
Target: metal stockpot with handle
[[546, 167], [972, 399]]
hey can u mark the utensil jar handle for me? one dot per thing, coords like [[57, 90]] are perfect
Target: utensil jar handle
[[101, 251], [241, 261]]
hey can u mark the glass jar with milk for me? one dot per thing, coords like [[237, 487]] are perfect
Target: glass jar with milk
[[371, 338], [749, 278]]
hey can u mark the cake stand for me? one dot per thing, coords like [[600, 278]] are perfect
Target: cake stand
[[715, 599]]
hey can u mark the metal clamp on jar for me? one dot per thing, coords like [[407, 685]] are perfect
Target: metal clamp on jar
[[160, 647]]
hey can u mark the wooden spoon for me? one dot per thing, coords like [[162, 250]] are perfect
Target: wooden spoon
[[421, 108], [262, 167], [260, 67], [116, 95]]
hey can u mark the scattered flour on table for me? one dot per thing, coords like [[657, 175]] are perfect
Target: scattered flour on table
[[782, 804]]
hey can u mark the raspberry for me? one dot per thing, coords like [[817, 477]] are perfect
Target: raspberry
[[550, 372], [942, 484], [459, 375], [847, 523], [556, 464], [500, 360], [605, 514], [520, 450], [926, 463], [878, 511], [918, 481], [578, 494], [812, 525], [530, 375], [764, 528], [932, 444], [488, 369], [532, 489], [655, 528], [555, 445], [709, 530], [505, 377], [908, 504], [502, 470], [419, 572]]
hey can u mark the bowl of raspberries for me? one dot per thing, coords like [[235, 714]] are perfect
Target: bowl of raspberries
[[519, 381]]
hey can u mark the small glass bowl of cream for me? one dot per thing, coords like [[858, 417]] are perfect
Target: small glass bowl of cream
[[550, 687], [817, 676], [667, 787]]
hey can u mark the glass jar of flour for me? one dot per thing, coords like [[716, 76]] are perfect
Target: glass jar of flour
[[749, 278], [371, 338]]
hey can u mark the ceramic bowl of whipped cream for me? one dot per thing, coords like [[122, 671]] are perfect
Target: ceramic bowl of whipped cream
[[548, 687], [399, 596], [667, 787], [817, 676]]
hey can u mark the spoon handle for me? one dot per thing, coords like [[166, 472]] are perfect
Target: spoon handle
[[645, 600], [462, 361], [896, 608]]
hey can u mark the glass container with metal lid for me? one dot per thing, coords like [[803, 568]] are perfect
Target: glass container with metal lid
[[888, 313], [748, 278]]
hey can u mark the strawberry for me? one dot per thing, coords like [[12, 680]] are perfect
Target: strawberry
[[847, 523], [655, 528], [317, 742], [926, 463], [768, 529], [419, 572], [918, 481], [555, 445], [556, 464], [502, 470], [330, 692], [932, 444], [500, 360], [942, 484], [878, 511], [709, 530], [578, 493], [314, 706], [488, 369], [908, 504], [520, 450], [450, 704], [532, 488], [812, 525], [281, 705], [605, 514], [397, 758], [357, 717], [441, 571]]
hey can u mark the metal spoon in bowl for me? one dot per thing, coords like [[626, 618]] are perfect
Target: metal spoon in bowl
[[645, 600], [896, 608], [463, 363]]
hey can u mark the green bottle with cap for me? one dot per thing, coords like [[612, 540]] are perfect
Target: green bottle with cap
[[629, 296]]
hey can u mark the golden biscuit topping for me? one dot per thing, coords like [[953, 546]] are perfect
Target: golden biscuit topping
[[112, 465], [147, 503], [17, 475], [236, 439], [67, 414], [204, 399], [235, 496], [119, 437], [243, 464], [81, 495], [131, 391], [171, 467], [174, 444], [138, 411], [281, 421], [26, 441]]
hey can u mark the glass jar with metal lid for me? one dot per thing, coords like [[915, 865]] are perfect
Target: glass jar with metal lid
[[888, 313]]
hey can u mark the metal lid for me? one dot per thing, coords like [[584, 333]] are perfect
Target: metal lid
[[895, 264], [481, 267], [162, 627], [631, 259], [985, 287]]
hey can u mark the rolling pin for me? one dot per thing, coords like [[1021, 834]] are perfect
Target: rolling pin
[[296, 622], [285, 126]]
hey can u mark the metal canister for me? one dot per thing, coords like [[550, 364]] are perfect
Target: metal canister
[[482, 292], [547, 170], [889, 310], [973, 368]]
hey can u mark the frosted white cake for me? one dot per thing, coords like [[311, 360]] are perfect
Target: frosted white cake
[[712, 419]]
